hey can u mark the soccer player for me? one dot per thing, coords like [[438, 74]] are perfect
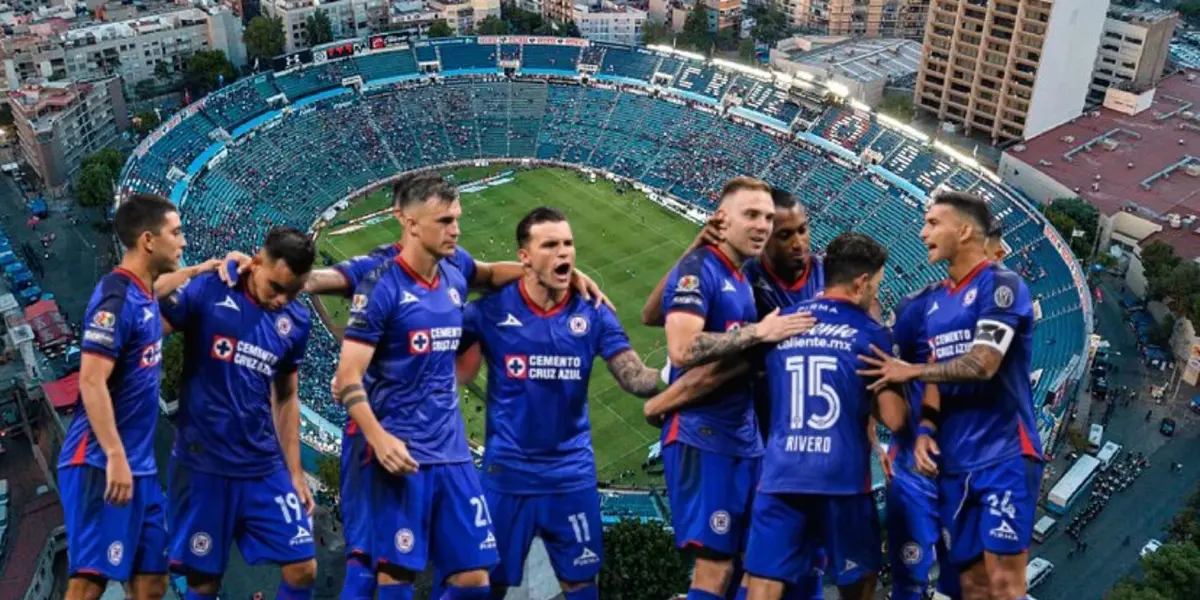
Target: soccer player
[[112, 503], [815, 488], [235, 470], [399, 351], [991, 459], [540, 341], [711, 315]]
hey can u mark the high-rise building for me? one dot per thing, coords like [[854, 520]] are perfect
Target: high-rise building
[[1133, 50], [462, 15], [869, 18], [59, 123], [1010, 69], [722, 14], [347, 18], [606, 21]]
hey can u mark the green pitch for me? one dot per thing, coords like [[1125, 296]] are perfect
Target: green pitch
[[624, 241]]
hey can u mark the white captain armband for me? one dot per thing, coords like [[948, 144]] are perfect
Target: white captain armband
[[994, 334]]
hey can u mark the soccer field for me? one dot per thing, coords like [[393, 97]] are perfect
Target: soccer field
[[624, 241]]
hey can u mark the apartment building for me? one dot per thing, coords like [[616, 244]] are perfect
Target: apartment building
[[607, 21], [721, 13], [1009, 69], [59, 123], [1133, 50], [129, 49], [462, 15], [347, 18], [866, 18]]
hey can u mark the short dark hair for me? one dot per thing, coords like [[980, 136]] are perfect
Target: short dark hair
[[850, 255], [140, 213], [293, 246], [537, 216], [970, 206], [783, 199], [995, 230], [412, 190], [738, 184]]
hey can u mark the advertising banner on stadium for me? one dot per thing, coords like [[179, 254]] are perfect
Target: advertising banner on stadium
[[530, 40], [336, 50], [284, 62], [387, 40]]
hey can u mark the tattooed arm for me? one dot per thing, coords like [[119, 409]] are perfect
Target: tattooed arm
[[326, 281], [688, 345], [633, 375], [980, 363]]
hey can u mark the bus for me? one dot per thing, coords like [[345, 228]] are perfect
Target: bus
[[1072, 485]]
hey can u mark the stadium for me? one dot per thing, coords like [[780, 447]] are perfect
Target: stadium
[[633, 143]]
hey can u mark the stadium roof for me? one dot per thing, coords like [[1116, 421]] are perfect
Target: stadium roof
[[865, 60], [1147, 143]]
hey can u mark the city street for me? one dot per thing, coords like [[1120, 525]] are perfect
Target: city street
[[1144, 509]]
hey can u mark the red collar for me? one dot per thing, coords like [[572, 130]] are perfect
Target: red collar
[[727, 261], [794, 286], [958, 287], [421, 281], [126, 273], [537, 310]]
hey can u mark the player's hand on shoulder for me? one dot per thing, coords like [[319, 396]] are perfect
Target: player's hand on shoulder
[[303, 493], [118, 489], [589, 290], [886, 369], [232, 266], [712, 233], [924, 454], [392, 453], [776, 327]]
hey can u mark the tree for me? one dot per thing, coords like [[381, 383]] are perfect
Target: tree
[[440, 29], [318, 29], [770, 25], [746, 51], [264, 37], [899, 107], [145, 89], [206, 70], [1160, 334], [656, 33], [491, 26], [1129, 590], [572, 30], [144, 122], [1158, 258], [695, 33], [109, 158], [95, 187], [727, 39], [6, 116], [1071, 215], [524, 21], [172, 366], [329, 473], [640, 561], [1173, 571], [1190, 11], [162, 70]]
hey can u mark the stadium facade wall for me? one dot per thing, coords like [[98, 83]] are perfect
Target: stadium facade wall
[[41, 587]]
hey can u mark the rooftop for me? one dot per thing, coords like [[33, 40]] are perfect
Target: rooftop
[[865, 60], [1144, 14], [1138, 161]]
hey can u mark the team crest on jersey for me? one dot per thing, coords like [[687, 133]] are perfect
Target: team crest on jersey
[[419, 342], [359, 302], [404, 541], [116, 551], [453, 293], [1003, 296], [222, 347], [688, 283], [151, 354], [579, 325], [104, 319], [516, 365], [201, 544], [969, 297], [283, 325], [910, 553], [719, 522]]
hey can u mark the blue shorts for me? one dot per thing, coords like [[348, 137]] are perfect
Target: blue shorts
[[568, 523], [990, 509], [788, 531], [711, 495], [912, 532], [113, 542], [439, 512], [355, 505], [211, 512]]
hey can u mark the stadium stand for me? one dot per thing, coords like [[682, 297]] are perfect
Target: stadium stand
[[304, 159]]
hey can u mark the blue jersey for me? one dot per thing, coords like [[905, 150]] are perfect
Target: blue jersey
[[539, 361], [988, 422], [121, 325], [356, 268], [818, 441], [415, 326], [771, 291], [707, 284], [911, 345], [233, 351]]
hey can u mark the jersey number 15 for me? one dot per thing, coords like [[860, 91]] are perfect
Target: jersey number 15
[[808, 375]]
